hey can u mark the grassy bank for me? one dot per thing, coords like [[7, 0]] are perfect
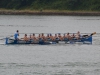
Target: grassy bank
[[50, 7], [49, 12], [89, 5]]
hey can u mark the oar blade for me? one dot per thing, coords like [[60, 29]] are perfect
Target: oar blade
[[93, 33]]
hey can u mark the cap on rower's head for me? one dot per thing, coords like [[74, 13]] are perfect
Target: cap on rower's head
[[25, 34], [17, 31], [50, 34], [58, 33], [39, 34], [78, 32], [42, 34], [33, 34]]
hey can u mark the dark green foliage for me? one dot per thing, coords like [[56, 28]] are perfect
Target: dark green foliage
[[51, 4]]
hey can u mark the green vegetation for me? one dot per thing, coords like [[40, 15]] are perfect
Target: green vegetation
[[87, 5]]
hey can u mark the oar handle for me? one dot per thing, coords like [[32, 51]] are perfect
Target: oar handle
[[1, 39]]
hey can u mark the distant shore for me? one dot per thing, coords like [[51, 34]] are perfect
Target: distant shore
[[49, 12]]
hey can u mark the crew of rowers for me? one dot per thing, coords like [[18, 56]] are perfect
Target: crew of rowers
[[50, 37]]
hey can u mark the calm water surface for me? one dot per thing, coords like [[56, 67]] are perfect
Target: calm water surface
[[61, 59]]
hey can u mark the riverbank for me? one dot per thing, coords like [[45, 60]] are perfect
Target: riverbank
[[49, 12]]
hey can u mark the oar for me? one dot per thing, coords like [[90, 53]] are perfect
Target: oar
[[7, 37], [93, 33], [2, 39], [90, 34], [10, 36]]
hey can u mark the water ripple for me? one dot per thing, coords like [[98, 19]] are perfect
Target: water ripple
[[69, 68]]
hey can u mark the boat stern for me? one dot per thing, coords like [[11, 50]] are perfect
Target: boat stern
[[88, 40], [9, 41]]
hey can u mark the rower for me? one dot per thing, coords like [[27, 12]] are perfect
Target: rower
[[16, 35], [30, 37], [60, 37], [48, 37], [68, 36], [43, 37], [51, 37], [25, 37], [73, 36], [33, 37], [78, 35], [39, 37], [65, 38], [56, 37]]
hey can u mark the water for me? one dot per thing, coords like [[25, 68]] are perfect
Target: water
[[61, 59]]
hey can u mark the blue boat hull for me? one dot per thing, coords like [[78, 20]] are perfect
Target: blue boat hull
[[41, 42]]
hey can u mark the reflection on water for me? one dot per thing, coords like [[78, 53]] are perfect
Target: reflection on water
[[61, 59]]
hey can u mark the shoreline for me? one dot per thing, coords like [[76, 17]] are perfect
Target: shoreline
[[49, 12]]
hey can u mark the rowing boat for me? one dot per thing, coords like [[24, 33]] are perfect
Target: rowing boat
[[84, 40]]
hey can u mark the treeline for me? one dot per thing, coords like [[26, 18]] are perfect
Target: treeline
[[51, 4]]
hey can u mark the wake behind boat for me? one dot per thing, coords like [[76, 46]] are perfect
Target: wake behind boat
[[49, 39]]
